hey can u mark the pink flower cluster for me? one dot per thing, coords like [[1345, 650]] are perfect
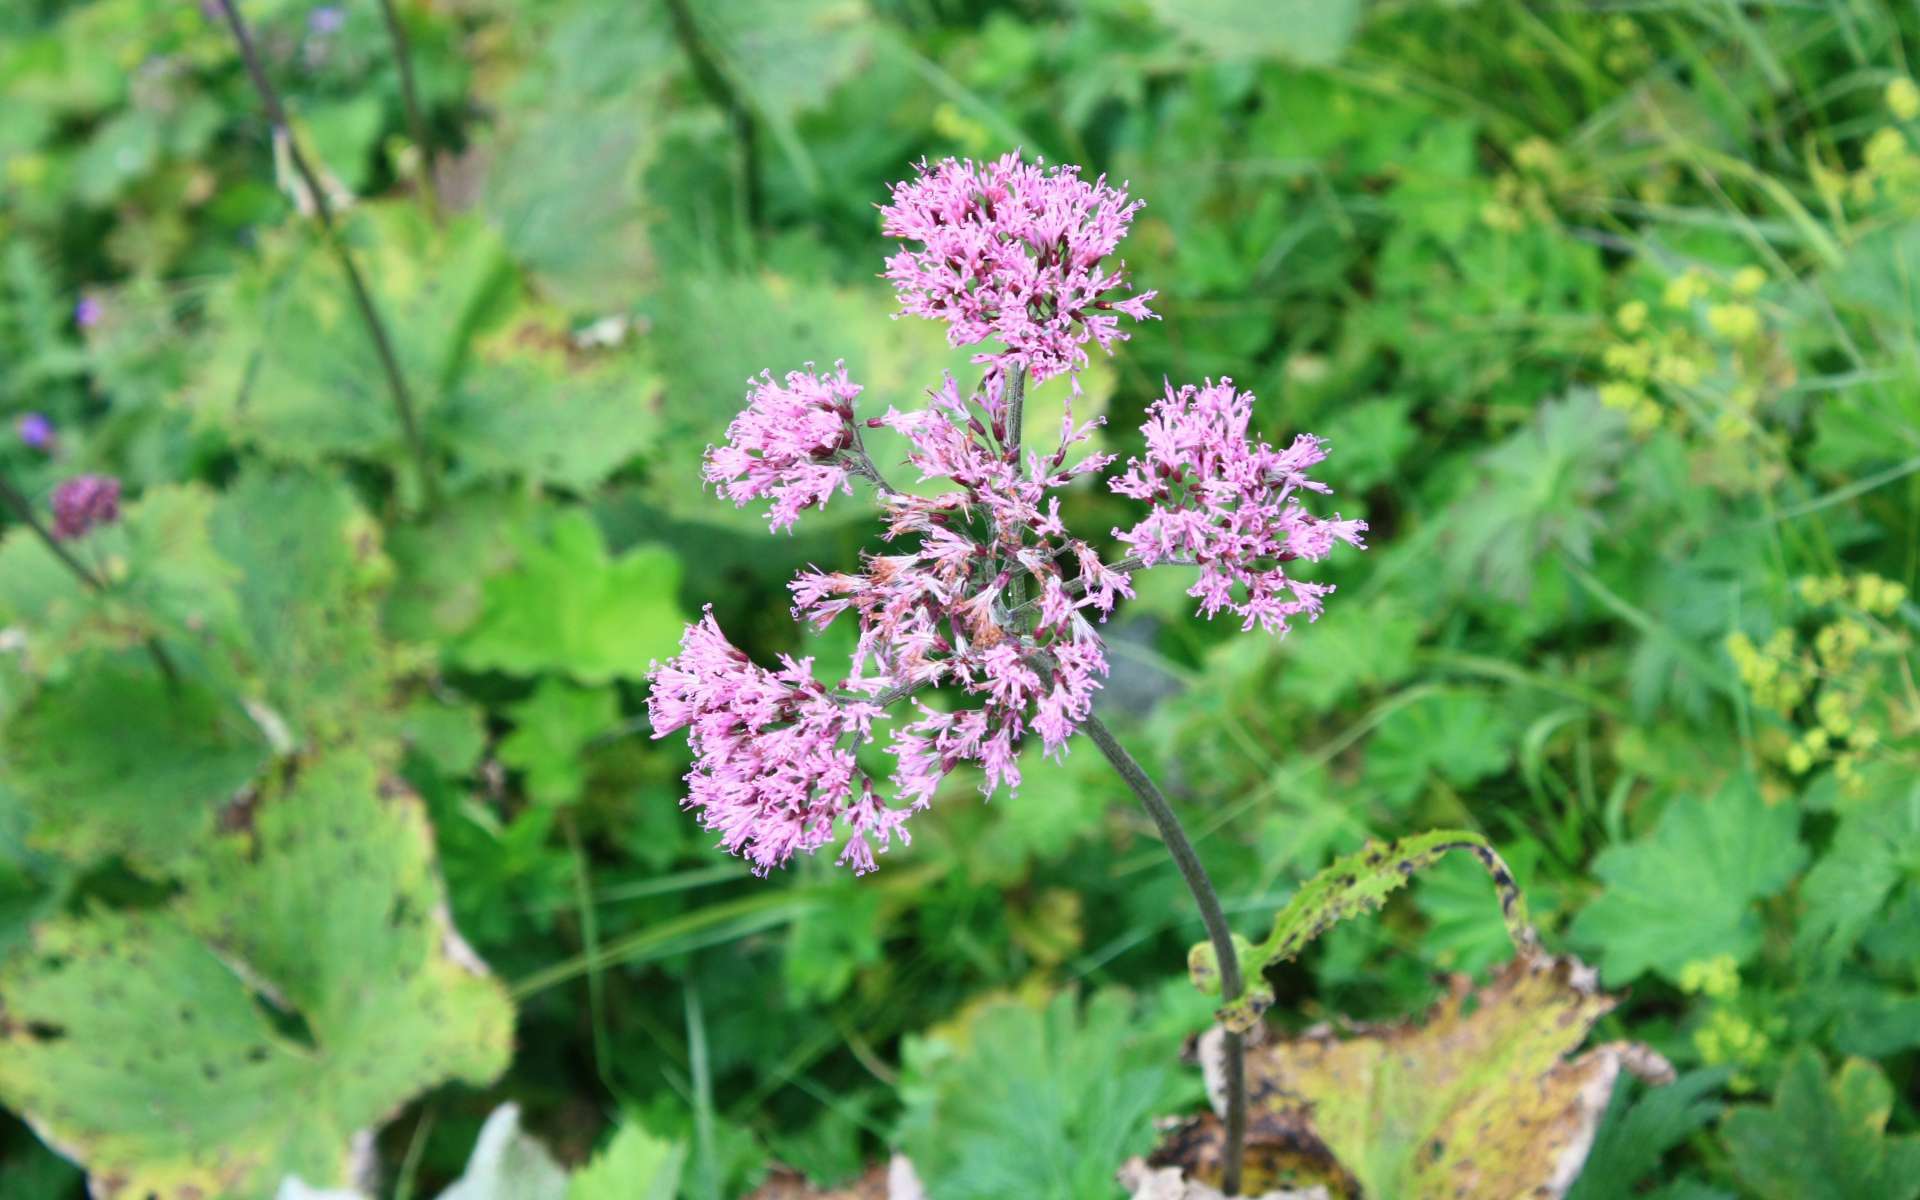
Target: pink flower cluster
[[984, 594], [1230, 504], [1014, 251], [83, 503], [774, 763], [790, 444]]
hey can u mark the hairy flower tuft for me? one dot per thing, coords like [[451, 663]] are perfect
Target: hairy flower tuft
[[1014, 250], [774, 769], [1231, 504], [84, 503], [791, 444]]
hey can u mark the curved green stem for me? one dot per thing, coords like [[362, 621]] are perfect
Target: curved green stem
[[1215, 920]]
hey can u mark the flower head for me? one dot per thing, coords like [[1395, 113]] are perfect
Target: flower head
[[982, 591], [791, 444], [84, 503], [87, 312], [1015, 251], [1231, 504], [35, 430], [774, 770]]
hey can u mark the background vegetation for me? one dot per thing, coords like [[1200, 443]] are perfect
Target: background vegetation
[[1607, 309]]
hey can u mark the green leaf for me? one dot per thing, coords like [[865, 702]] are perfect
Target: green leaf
[[1632, 1139], [1824, 1138], [552, 729], [539, 408], [1876, 847], [635, 1165], [450, 736], [568, 607], [1350, 887], [115, 759], [302, 986], [312, 576], [1354, 646], [444, 561], [1456, 734], [1537, 490], [1313, 32], [1686, 891], [295, 370], [602, 151], [1033, 1103]]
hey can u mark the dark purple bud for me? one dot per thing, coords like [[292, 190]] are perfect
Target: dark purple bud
[[85, 503]]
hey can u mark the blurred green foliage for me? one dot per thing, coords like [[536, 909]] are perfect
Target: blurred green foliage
[[1607, 310]]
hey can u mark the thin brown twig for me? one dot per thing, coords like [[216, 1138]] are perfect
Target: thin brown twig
[[410, 99], [323, 212]]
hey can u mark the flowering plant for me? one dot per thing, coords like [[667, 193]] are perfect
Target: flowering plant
[[988, 593]]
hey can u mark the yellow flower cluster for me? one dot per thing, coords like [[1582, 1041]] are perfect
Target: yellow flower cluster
[[1728, 1037], [1716, 978], [1842, 670], [1705, 359], [1522, 196], [1888, 165]]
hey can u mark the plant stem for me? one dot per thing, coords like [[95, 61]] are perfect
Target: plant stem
[[410, 98], [714, 81], [23, 509], [323, 212], [1211, 916]]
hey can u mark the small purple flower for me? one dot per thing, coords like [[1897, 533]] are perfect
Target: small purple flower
[[35, 430], [88, 311], [326, 20], [85, 503]]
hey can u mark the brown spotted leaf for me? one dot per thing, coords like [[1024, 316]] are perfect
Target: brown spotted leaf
[[1478, 1101], [302, 985]]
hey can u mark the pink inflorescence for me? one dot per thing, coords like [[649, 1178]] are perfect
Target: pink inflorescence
[[1014, 251], [790, 444], [982, 591], [84, 503], [1230, 504]]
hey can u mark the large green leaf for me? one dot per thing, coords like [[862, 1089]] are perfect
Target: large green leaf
[[117, 759], [537, 406], [302, 986], [1686, 891], [295, 370], [1824, 1138], [568, 607], [1456, 734], [312, 575], [1876, 847], [1039, 1103], [552, 729]]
